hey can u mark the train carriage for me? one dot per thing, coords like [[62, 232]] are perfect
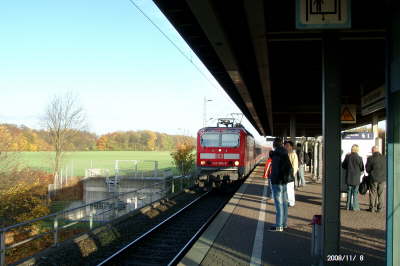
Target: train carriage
[[226, 153]]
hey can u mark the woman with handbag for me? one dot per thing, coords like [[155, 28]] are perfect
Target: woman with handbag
[[354, 166]]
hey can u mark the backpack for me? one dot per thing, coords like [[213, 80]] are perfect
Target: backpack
[[286, 169]]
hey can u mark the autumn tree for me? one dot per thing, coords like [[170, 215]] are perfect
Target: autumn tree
[[101, 143], [8, 160], [184, 157], [63, 119], [5, 140], [151, 140]]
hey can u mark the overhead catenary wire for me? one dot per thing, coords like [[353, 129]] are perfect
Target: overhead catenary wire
[[140, 10], [173, 43]]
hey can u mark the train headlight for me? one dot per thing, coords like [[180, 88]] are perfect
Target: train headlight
[[202, 162], [236, 163]]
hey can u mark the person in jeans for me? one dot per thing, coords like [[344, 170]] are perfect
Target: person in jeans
[[279, 187], [376, 169], [353, 164], [300, 173]]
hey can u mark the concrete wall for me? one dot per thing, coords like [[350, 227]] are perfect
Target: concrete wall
[[99, 188]]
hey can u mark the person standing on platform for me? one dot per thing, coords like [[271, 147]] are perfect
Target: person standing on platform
[[353, 164], [301, 160], [295, 164], [310, 160], [279, 190], [267, 173], [376, 169]]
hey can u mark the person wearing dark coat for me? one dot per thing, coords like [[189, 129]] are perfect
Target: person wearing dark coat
[[279, 189], [376, 169], [299, 180], [310, 160], [353, 164]]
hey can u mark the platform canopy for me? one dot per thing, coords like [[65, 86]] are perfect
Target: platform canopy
[[272, 69]]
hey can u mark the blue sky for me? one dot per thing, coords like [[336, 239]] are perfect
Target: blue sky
[[126, 74]]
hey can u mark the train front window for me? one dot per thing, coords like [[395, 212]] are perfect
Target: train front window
[[229, 140], [210, 140]]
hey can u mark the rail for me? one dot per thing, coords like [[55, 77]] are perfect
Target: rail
[[151, 230], [178, 232], [89, 216]]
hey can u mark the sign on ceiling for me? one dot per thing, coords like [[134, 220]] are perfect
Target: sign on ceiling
[[323, 14], [348, 114], [373, 101]]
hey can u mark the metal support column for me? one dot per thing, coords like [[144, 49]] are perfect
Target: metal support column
[[305, 150], [320, 159], [293, 129], [315, 160], [305, 147], [393, 137], [284, 135], [375, 130], [331, 144]]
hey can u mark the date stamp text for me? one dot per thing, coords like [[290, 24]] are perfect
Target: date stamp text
[[345, 258]]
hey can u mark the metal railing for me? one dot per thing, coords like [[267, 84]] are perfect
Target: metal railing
[[89, 216], [138, 168]]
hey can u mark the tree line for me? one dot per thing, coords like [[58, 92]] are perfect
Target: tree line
[[23, 138]]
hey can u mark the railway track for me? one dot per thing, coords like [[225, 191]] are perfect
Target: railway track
[[168, 241]]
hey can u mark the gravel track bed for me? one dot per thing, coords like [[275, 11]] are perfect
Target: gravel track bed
[[162, 245], [93, 247]]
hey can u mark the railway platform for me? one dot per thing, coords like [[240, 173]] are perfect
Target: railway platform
[[239, 235]]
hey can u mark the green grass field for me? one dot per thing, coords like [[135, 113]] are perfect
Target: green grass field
[[77, 162]]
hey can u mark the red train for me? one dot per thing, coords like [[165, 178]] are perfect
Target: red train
[[226, 153]]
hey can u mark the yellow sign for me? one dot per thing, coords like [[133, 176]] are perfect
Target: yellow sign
[[348, 114]]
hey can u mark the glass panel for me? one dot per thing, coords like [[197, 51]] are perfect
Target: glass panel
[[230, 140], [210, 140]]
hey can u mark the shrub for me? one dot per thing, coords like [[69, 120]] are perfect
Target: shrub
[[184, 157], [23, 201]]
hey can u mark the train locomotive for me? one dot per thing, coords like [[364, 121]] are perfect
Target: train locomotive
[[226, 153]]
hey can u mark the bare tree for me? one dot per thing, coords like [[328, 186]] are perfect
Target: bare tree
[[63, 118]]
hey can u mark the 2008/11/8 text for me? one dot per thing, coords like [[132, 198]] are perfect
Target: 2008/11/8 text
[[345, 258]]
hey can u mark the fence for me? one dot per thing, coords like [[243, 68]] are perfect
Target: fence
[[136, 168], [54, 228], [122, 168]]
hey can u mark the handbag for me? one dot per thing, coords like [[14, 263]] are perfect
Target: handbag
[[364, 186], [369, 181], [286, 170]]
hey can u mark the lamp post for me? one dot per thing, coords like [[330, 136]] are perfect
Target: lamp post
[[205, 111]]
